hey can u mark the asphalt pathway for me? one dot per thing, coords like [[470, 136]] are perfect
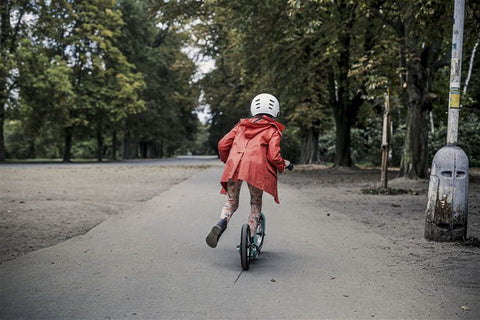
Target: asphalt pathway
[[154, 264]]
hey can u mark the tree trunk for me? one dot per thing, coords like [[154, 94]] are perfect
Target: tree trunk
[[345, 107], [414, 158], [4, 37], [415, 97], [418, 99], [144, 150], [419, 60], [170, 151], [126, 151], [68, 144], [114, 145], [126, 147], [343, 155], [31, 148], [99, 142], [309, 152], [2, 137], [161, 153], [136, 148]]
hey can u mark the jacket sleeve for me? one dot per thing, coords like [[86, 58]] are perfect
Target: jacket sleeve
[[225, 144], [273, 152]]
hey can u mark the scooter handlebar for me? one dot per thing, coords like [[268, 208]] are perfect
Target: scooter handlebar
[[289, 167]]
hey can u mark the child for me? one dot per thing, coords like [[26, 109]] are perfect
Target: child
[[251, 153]]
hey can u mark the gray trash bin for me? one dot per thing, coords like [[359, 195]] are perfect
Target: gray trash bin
[[447, 207]]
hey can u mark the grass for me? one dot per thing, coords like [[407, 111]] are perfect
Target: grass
[[388, 191]]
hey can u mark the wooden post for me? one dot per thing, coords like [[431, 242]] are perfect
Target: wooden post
[[387, 120]]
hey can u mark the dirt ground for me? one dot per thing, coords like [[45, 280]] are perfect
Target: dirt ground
[[399, 218], [394, 215], [41, 206]]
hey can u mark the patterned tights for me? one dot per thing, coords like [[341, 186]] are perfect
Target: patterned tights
[[233, 190]]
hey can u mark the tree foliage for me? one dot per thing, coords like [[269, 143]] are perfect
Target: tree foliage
[[86, 77], [298, 50], [94, 69], [168, 123], [14, 27], [330, 63]]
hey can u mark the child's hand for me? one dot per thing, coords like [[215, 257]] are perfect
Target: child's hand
[[288, 165]]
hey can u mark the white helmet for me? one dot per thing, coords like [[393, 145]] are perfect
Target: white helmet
[[265, 103]]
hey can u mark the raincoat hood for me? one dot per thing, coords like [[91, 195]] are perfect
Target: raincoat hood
[[254, 126]]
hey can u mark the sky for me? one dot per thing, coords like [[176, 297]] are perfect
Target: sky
[[204, 65]]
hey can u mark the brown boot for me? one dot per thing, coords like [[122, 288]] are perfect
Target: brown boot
[[217, 230]]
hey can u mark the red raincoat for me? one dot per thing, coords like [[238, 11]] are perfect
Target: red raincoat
[[251, 152]]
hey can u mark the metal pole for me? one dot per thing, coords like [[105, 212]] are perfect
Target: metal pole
[[455, 72], [446, 216]]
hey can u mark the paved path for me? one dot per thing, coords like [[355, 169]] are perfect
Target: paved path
[[154, 264]]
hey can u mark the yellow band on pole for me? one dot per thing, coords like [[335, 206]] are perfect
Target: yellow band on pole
[[454, 100]]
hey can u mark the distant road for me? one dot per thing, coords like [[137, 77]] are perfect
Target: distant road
[[180, 160]]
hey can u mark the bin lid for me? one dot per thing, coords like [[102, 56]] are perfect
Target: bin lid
[[450, 158]]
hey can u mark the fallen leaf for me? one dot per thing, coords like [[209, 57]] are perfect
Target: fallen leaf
[[465, 308]]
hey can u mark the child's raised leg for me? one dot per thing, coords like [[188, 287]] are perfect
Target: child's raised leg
[[233, 192]]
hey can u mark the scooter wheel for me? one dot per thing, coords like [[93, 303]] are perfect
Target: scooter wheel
[[245, 247], [260, 233]]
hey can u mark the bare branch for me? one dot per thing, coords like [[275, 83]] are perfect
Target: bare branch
[[470, 66]]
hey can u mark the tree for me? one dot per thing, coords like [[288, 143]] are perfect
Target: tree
[[13, 28], [45, 91], [423, 50], [170, 96], [84, 34], [223, 89], [308, 62], [252, 56]]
